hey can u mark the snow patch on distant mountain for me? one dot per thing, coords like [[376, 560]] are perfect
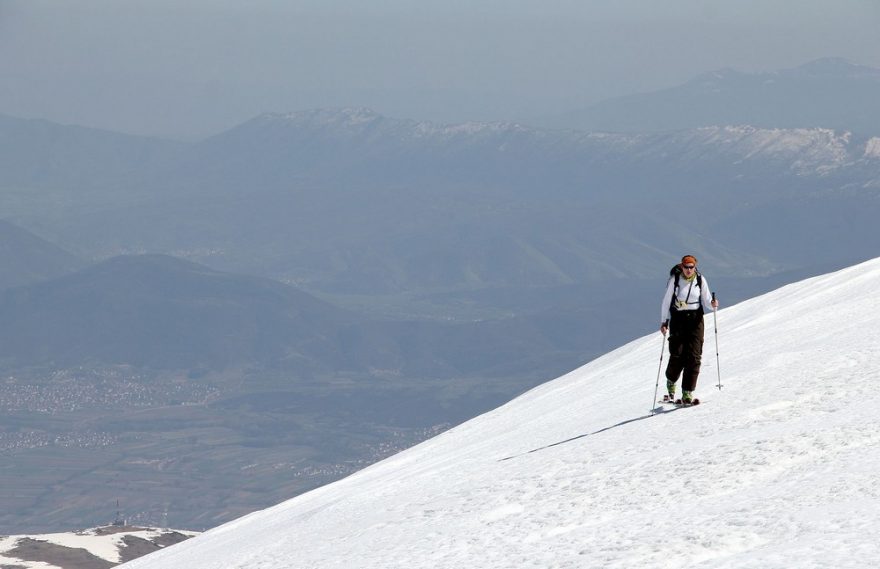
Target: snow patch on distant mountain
[[355, 116], [811, 151], [872, 148], [358, 118], [476, 128], [96, 547]]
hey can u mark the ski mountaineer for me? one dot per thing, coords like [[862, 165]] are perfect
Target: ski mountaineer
[[681, 313]]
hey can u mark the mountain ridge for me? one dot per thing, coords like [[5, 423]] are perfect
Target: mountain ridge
[[742, 140], [26, 258], [39, 153], [830, 92], [143, 310], [475, 205]]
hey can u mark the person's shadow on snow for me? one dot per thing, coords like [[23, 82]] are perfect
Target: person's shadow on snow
[[656, 411]]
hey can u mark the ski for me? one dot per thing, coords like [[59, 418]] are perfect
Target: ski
[[678, 402]]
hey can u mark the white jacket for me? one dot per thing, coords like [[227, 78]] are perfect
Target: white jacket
[[689, 296]]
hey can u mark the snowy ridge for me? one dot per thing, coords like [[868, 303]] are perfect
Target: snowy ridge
[[813, 150], [362, 118], [777, 470], [808, 151]]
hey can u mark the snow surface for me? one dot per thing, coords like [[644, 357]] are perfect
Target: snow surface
[[777, 470]]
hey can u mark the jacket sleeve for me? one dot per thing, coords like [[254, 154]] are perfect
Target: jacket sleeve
[[667, 301], [706, 295]]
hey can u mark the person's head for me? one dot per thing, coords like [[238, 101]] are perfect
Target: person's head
[[688, 264]]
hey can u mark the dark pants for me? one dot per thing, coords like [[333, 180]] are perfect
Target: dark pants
[[685, 347]]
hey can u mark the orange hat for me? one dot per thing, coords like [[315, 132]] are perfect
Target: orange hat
[[688, 260]]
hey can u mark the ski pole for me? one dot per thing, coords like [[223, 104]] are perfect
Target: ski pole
[[660, 367], [717, 357]]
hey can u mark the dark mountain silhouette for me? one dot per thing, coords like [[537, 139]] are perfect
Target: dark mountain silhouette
[[158, 311], [26, 258], [37, 154]]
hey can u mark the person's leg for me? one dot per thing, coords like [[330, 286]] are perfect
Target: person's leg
[[675, 365], [692, 355]]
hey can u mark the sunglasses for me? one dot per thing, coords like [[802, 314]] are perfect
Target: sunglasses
[[689, 267]]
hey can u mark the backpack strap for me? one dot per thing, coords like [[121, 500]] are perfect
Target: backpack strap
[[676, 273]]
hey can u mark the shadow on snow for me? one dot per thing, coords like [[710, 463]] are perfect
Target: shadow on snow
[[660, 410]]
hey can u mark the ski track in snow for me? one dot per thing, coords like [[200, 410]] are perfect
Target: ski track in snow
[[777, 470]]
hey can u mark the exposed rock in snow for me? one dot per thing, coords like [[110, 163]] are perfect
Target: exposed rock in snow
[[96, 548]]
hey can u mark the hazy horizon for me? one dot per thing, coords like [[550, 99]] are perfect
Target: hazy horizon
[[187, 71]]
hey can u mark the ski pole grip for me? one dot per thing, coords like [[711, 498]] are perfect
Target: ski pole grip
[[713, 296]]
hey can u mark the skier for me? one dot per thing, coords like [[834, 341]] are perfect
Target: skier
[[687, 294]]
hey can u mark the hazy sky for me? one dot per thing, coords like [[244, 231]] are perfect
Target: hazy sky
[[189, 68]]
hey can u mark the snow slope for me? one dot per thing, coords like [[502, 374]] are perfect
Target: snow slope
[[778, 469]]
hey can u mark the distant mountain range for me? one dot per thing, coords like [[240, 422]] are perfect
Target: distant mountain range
[[409, 221], [163, 313], [830, 93], [350, 205], [502, 204], [350, 201], [361, 145]]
